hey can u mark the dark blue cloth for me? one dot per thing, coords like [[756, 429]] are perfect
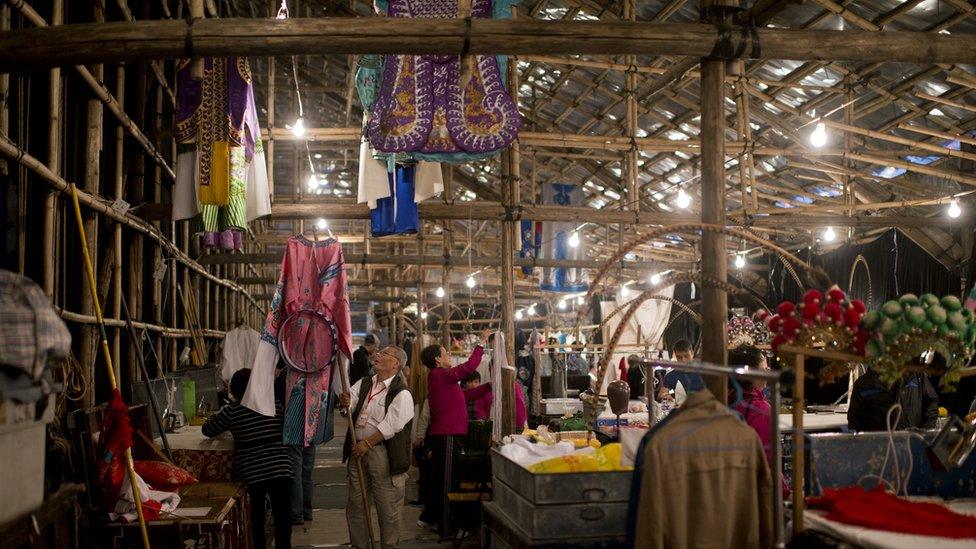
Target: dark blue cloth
[[397, 213], [689, 380]]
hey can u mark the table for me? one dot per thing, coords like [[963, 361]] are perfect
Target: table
[[824, 421], [208, 459], [881, 539], [221, 521]]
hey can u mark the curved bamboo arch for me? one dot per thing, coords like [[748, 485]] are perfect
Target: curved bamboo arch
[[674, 278], [687, 227], [860, 260]]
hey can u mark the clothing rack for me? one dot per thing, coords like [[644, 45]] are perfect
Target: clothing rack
[[772, 377]]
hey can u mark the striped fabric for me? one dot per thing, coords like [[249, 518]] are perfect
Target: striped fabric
[[234, 214], [259, 454]]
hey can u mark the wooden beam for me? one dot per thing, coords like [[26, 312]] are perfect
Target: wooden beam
[[352, 260], [161, 39]]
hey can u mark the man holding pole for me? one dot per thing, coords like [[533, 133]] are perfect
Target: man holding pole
[[382, 412]]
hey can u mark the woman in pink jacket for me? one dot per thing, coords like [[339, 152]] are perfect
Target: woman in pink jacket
[[448, 419]]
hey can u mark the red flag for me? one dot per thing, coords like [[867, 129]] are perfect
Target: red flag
[[116, 437]]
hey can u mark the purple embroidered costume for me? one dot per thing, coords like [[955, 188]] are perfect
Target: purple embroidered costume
[[441, 103]]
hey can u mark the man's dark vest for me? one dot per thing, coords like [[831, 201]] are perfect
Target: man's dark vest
[[398, 447]]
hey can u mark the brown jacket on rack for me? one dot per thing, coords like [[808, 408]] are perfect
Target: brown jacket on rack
[[704, 482]]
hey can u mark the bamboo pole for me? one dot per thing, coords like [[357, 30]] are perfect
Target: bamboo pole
[[92, 174], [130, 41], [54, 161], [157, 254], [714, 260], [101, 205], [164, 331], [633, 181], [509, 238], [107, 357], [5, 108], [118, 194], [136, 194]]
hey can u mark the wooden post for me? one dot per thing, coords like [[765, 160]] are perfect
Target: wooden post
[[269, 149], [93, 149], [447, 245], [421, 287], [136, 189], [118, 193], [511, 172], [797, 450], [196, 12], [54, 163], [5, 107], [714, 261], [633, 181]]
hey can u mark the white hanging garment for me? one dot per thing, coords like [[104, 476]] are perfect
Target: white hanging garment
[[428, 181], [373, 180], [498, 404], [185, 203]]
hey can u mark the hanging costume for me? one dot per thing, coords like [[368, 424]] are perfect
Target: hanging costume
[[313, 276], [700, 480], [442, 103], [555, 242], [220, 172]]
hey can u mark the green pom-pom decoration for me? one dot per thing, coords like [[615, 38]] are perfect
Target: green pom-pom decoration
[[951, 303], [929, 300], [870, 320], [873, 348], [928, 327], [967, 314], [908, 300], [890, 328], [956, 321], [943, 330], [970, 335], [937, 314], [915, 315], [892, 309]]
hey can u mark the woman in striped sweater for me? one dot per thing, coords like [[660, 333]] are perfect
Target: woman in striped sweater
[[261, 461]]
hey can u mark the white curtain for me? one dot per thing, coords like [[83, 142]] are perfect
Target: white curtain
[[645, 328]]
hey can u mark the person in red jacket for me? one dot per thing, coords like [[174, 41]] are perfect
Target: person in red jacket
[[448, 419]]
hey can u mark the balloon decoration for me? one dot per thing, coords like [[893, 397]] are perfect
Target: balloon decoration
[[831, 323], [911, 326]]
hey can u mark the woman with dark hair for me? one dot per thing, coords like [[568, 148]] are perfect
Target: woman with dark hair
[[448, 419], [261, 461], [751, 403]]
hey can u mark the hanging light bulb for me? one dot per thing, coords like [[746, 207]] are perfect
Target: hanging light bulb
[[954, 210], [321, 224], [298, 128], [470, 282], [561, 304], [282, 11], [740, 261], [579, 300], [423, 315], [829, 234], [313, 182], [574, 239], [440, 291], [655, 279], [818, 138], [518, 314], [683, 200], [531, 310]]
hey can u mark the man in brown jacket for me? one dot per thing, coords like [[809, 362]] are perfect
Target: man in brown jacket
[[702, 482]]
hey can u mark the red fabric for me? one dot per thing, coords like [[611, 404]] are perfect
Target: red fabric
[[623, 369], [115, 438], [484, 399], [163, 476], [880, 510]]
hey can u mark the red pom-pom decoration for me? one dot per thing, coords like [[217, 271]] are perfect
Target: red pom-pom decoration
[[810, 311], [790, 327], [852, 318], [836, 295], [762, 315], [777, 341], [813, 296], [833, 311], [774, 322], [858, 306], [786, 308]]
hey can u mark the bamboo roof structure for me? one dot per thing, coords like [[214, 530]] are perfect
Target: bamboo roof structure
[[625, 125]]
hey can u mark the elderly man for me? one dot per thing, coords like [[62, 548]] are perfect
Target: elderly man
[[382, 412]]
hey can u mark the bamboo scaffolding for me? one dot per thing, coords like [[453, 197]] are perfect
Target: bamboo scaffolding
[[101, 205], [164, 331], [97, 87], [131, 41]]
